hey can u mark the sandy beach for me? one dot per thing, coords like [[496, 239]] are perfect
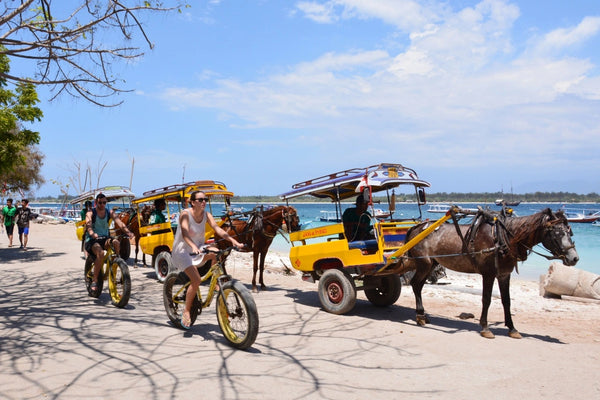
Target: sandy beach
[[58, 343]]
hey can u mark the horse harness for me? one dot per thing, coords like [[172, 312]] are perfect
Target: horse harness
[[501, 234], [256, 223]]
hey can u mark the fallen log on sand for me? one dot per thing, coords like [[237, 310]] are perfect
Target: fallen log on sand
[[569, 281]]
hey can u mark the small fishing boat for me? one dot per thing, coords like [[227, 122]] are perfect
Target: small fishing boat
[[380, 214], [438, 208], [329, 216], [441, 208], [500, 202], [581, 215]]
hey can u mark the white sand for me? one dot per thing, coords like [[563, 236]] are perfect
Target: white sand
[[59, 343]]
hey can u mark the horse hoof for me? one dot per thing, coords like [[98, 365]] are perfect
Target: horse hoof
[[254, 289], [487, 334], [422, 320], [513, 333]]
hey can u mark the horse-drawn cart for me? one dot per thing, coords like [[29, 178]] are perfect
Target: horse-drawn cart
[[155, 235], [119, 198], [342, 265]]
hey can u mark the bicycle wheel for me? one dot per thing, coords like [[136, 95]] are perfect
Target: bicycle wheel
[[88, 274], [119, 283], [175, 289], [237, 315]]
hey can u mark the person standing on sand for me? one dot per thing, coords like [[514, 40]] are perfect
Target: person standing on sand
[[23, 217], [8, 215]]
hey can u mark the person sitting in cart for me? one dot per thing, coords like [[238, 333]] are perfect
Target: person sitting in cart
[[157, 216], [357, 221]]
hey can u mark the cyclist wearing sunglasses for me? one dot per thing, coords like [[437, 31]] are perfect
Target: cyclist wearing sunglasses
[[187, 252], [97, 234]]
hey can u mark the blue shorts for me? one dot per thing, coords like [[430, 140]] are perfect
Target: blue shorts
[[24, 230]]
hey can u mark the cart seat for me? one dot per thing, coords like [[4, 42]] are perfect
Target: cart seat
[[363, 244]]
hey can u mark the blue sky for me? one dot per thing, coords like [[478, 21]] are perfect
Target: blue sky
[[474, 95]]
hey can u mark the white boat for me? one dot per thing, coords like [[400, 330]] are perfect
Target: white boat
[[581, 215], [47, 214], [443, 208], [329, 216], [380, 214], [438, 208]]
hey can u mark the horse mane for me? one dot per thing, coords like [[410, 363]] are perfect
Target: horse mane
[[525, 232]]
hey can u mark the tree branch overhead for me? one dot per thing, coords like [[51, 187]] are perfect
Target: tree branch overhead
[[68, 43]]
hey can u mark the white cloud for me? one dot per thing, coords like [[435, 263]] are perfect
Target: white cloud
[[460, 89], [565, 38], [320, 13]]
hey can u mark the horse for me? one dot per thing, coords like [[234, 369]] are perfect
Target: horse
[[130, 218], [491, 246], [257, 234]]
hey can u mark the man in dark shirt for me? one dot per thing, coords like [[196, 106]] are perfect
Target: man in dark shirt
[[357, 221], [24, 215]]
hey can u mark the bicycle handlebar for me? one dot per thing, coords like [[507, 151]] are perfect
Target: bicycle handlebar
[[207, 250]]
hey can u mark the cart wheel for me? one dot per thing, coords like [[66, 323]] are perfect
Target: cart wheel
[[337, 292], [383, 291]]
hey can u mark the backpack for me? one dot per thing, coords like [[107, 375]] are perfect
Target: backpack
[[94, 213]]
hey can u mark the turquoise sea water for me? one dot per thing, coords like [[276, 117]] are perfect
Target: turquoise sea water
[[585, 235]]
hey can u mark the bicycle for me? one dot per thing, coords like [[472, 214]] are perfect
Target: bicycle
[[236, 309], [115, 271]]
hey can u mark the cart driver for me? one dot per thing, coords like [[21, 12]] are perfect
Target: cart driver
[[157, 216], [357, 221]]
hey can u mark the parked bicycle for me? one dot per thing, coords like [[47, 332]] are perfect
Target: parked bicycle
[[236, 309], [115, 271]]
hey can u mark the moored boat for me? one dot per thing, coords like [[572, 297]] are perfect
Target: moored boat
[[581, 215], [329, 216]]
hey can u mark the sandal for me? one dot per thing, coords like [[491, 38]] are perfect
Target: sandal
[[94, 287], [185, 323]]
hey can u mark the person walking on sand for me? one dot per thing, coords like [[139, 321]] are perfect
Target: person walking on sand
[[24, 215], [8, 215], [188, 244]]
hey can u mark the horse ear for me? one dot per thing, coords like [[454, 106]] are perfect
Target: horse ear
[[549, 213]]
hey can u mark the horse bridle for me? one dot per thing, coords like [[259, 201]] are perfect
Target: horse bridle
[[287, 217], [555, 233]]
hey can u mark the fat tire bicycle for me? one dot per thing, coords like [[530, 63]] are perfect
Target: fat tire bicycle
[[115, 271], [236, 309]]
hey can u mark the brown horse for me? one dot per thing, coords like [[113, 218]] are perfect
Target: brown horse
[[491, 246], [130, 219], [257, 234]]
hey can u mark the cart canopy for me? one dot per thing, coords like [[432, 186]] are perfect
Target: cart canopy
[[345, 184]]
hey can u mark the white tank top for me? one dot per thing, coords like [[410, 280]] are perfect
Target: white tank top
[[181, 250]]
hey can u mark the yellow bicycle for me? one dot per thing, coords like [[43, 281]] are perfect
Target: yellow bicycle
[[115, 271], [236, 309]]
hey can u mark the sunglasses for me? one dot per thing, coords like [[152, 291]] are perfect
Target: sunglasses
[[201, 199], [101, 202]]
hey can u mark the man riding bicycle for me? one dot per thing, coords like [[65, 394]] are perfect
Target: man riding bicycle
[[97, 234]]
